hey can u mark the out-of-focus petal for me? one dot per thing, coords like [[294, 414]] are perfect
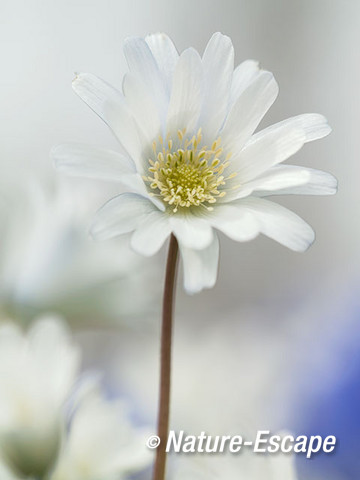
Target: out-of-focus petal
[[91, 162], [101, 443]]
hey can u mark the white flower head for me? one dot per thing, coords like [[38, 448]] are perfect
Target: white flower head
[[101, 443], [246, 465], [49, 429], [189, 156], [37, 373], [280, 467]]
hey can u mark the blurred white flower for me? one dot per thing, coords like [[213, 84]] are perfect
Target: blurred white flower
[[5, 473], [101, 443], [189, 157], [37, 373], [51, 430], [245, 466], [49, 263]]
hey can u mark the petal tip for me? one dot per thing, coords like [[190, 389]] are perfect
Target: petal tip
[[77, 77], [307, 242], [333, 185], [157, 35]]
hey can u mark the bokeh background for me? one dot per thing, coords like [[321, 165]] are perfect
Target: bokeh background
[[276, 343]]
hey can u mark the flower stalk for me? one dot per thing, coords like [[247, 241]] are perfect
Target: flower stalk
[[165, 359]]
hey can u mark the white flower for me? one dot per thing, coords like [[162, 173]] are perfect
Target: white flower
[[189, 156], [276, 467], [246, 465], [5, 473], [101, 443], [37, 372], [49, 263]]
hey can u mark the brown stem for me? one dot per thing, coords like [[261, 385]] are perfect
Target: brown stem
[[165, 368]]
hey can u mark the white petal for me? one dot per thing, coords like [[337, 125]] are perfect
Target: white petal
[[109, 104], [143, 65], [270, 148], [191, 231], [274, 179], [290, 179], [200, 266], [101, 442], [165, 54], [121, 214], [237, 223], [313, 125], [279, 223], [218, 65], [151, 234], [244, 74], [187, 93], [51, 344], [143, 108], [135, 184], [91, 162], [282, 467], [248, 111]]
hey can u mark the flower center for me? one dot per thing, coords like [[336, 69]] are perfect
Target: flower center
[[189, 175]]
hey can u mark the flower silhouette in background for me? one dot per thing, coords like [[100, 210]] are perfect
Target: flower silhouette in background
[[37, 374], [189, 156], [49, 263], [48, 428], [101, 443], [250, 466]]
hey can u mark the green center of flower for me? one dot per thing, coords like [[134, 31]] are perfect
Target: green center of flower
[[189, 175]]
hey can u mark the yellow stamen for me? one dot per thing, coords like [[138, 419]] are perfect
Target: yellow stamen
[[189, 175]]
